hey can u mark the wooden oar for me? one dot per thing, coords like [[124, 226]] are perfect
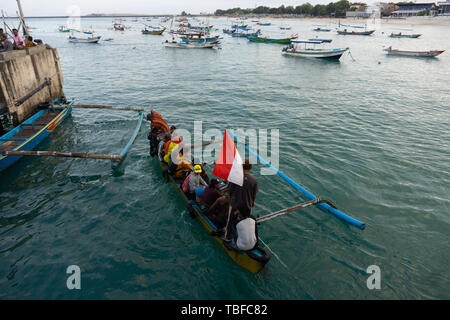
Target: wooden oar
[[63, 154], [85, 106], [294, 208]]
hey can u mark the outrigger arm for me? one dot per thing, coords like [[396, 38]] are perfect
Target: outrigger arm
[[294, 208]]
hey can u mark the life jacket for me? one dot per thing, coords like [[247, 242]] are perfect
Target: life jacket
[[158, 122], [172, 146], [185, 185]]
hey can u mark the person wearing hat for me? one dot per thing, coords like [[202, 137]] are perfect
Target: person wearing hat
[[192, 186], [241, 197]]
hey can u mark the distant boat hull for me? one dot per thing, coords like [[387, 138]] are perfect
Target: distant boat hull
[[316, 53], [153, 32], [414, 36], [356, 33], [431, 53], [86, 40], [191, 45], [320, 29], [31, 132], [268, 40]]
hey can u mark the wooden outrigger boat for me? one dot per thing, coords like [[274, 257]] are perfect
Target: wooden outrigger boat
[[119, 27], [355, 33], [321, 40], [154, 31], [400, 35], [430, 53], [84, 40], [198, 37], [63, 29], [321, 29], [294, 50], [31, 132], [255, 259], [190, 45], [21, 140], [269, 40]]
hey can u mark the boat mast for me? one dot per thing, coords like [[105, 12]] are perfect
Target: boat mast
[[22, 19]]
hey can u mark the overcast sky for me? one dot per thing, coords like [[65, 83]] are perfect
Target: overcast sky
[[60, 7]]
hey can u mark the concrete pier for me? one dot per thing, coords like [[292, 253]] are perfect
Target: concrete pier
[[28, 78]]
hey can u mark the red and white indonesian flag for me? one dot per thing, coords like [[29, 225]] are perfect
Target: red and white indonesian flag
[[229, 163]]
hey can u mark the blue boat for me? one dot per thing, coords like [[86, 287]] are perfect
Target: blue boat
[[31, 132]]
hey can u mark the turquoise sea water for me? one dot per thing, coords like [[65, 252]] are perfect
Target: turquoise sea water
[[371, 135]]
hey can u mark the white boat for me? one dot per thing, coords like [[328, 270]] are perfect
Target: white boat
[[84, 40], [430, 53], [295, 50], [190, 45]]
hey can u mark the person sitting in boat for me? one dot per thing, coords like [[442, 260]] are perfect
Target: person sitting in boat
[[180, 168], [172, 144], [217, 203], [157, 126], [192, 185], [241, 197], [164, 139], [246, 232], [204, 175]]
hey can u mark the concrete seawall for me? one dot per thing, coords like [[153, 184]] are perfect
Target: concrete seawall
[[28, 78]]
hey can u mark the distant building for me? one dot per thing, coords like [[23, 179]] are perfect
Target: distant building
[[444, 8], [411, 10], [363, 11]]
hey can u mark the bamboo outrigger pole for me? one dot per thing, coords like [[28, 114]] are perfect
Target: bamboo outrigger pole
[[63, 154], [294, 208], [85, 106]]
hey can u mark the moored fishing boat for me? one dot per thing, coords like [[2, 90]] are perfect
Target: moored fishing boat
[[400, 35], [322, 29], [356, 33], [271, 40], [32, 131], [198, 37], [154, 31], [430, 53], [295, 50], [190, 45], [321, 40], [252, 260], [63, 29], [264, 24], [85, 40]]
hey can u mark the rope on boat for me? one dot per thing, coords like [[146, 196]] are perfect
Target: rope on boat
[[294, 208], [274, 254], [350, 54]]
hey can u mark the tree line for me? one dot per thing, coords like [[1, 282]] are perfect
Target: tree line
[[337, 9]]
